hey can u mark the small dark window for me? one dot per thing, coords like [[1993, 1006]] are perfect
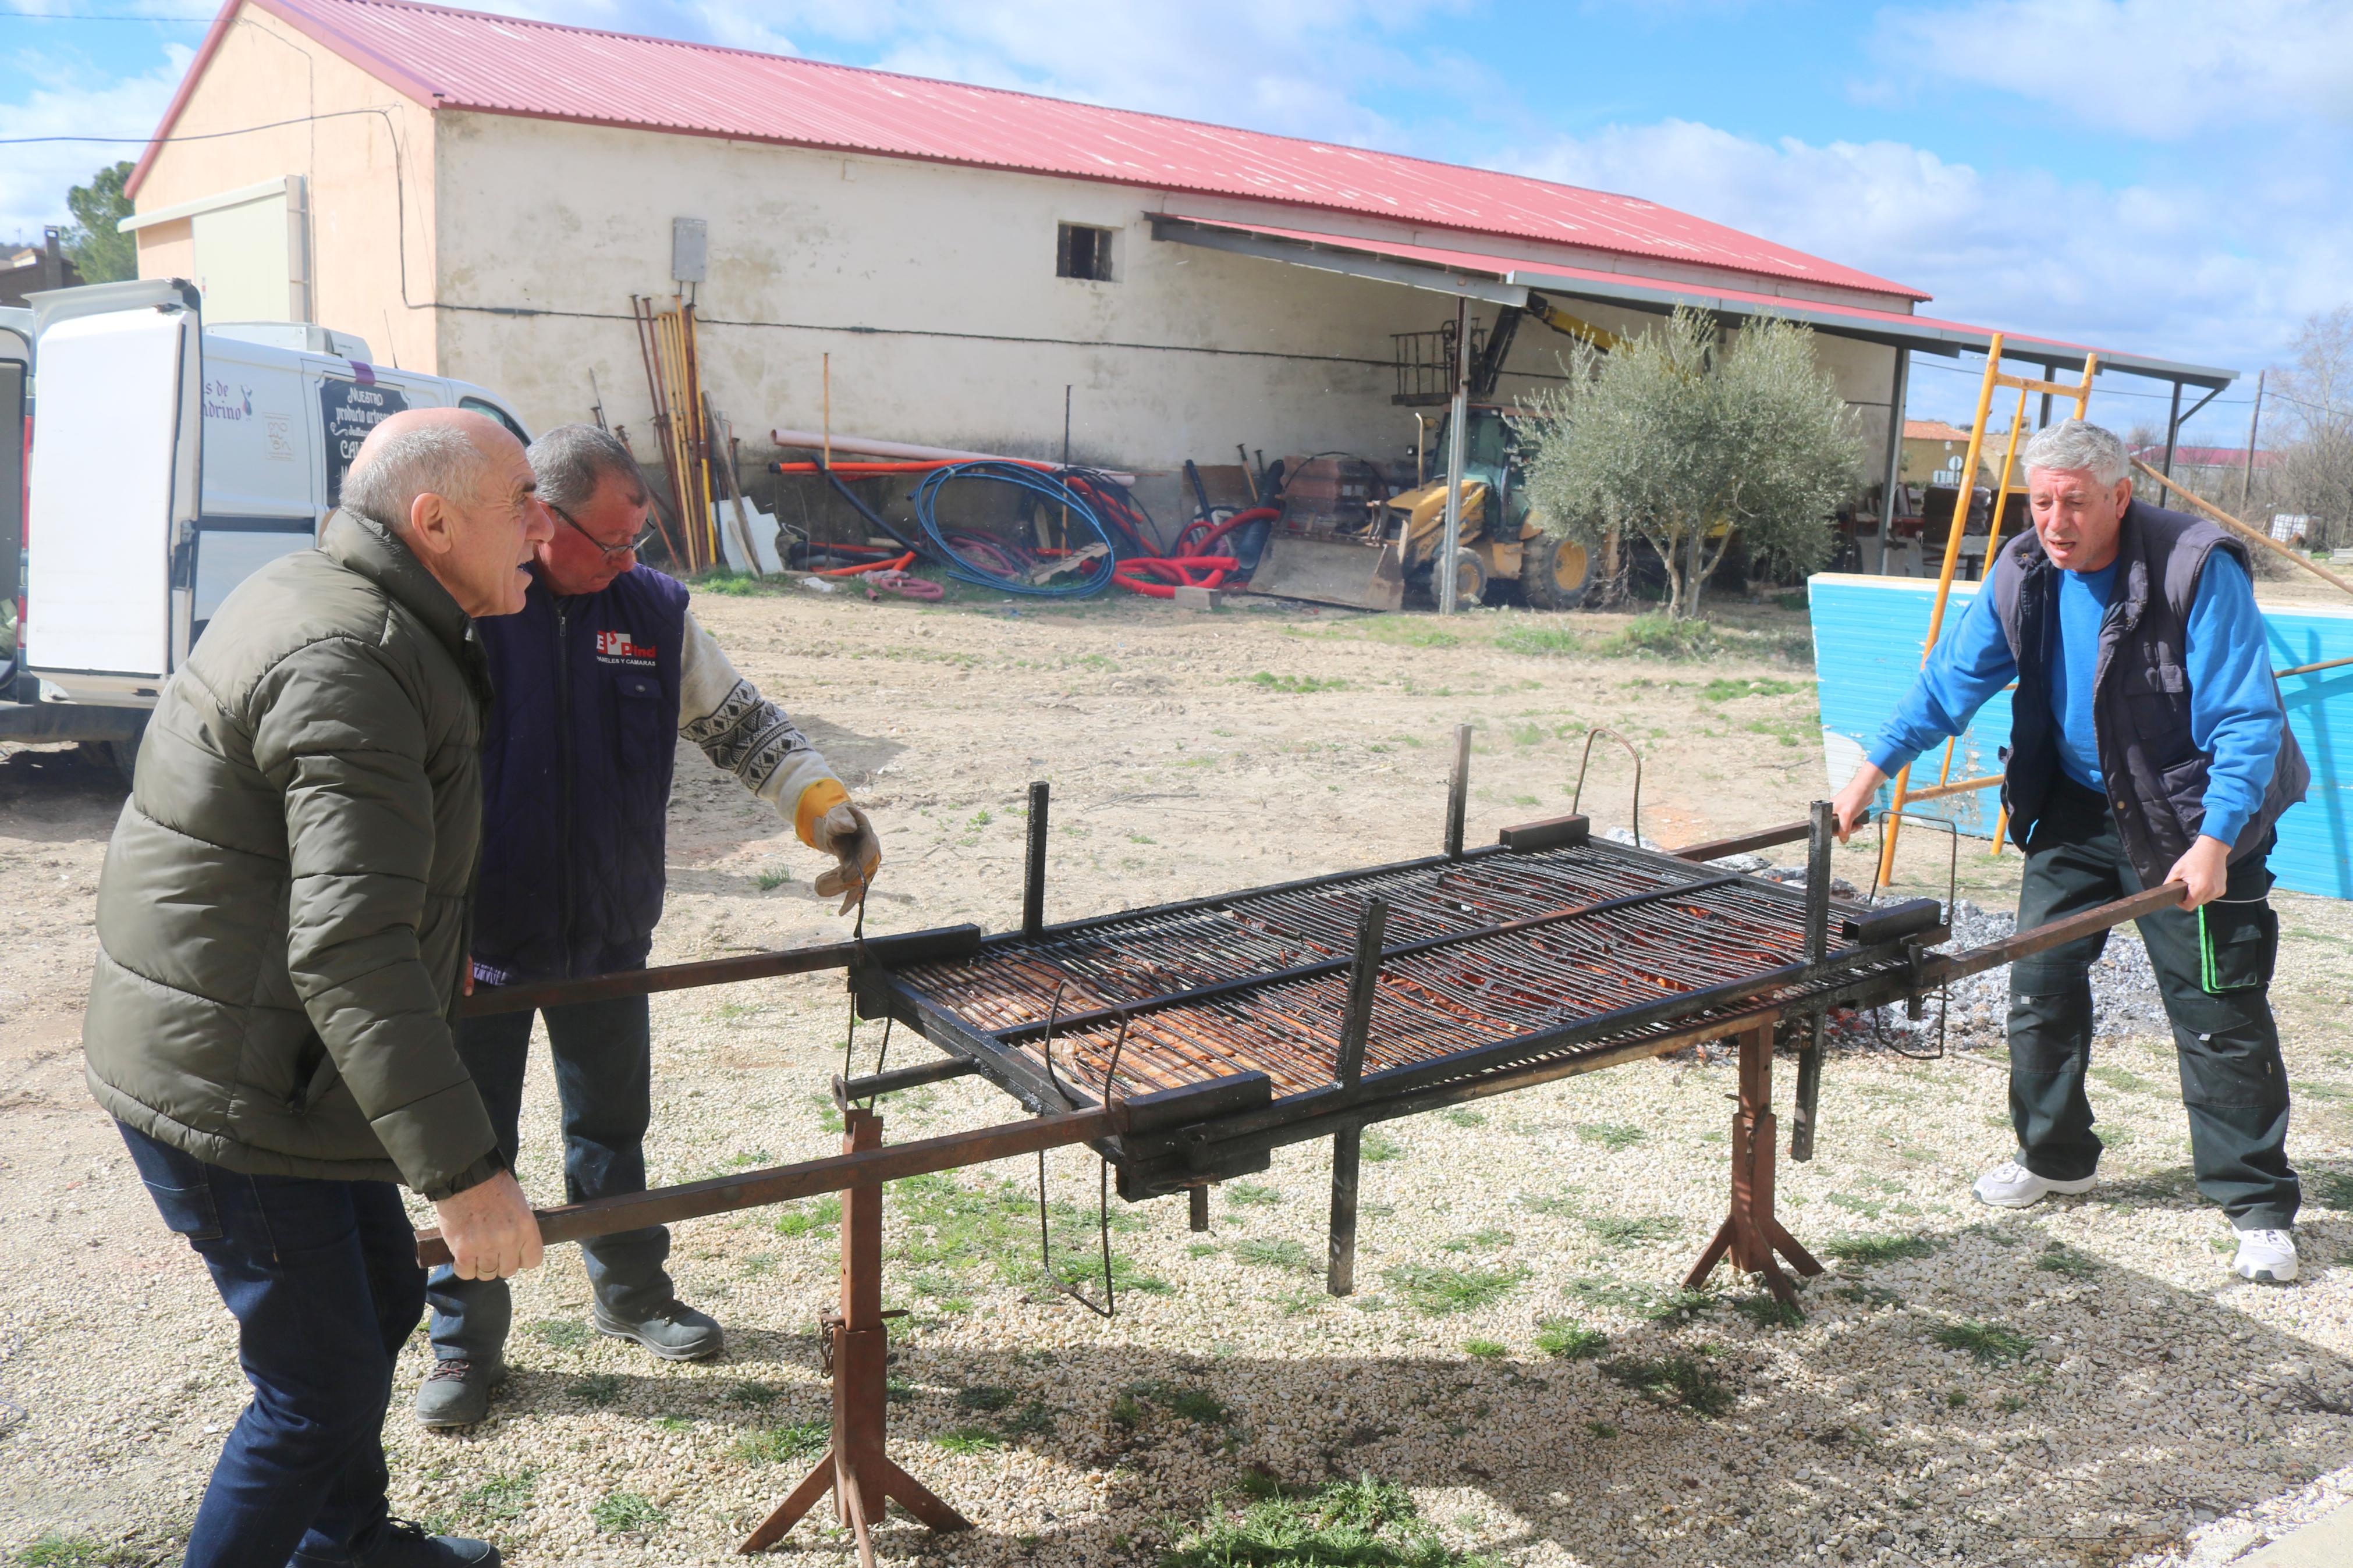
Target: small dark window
[[1083, 252]]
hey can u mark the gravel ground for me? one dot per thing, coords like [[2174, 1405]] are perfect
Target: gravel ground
[[2079, 1384]]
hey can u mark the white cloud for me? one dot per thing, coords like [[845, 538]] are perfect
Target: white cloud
[[2166, 69], [34, 178], [2214, 276]]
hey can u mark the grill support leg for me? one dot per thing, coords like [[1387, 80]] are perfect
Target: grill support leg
[[1750, 1234], [1340, 1271], [855, 1468], [1199, 1199], [1033, 879]]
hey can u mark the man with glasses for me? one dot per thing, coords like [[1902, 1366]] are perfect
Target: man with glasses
[[596, 679]]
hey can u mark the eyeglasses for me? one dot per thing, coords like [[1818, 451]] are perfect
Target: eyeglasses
[[610, 552]]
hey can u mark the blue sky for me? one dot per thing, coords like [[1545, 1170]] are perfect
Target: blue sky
[[2170, 177]]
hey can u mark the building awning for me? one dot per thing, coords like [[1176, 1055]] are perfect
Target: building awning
[[1508, 281]]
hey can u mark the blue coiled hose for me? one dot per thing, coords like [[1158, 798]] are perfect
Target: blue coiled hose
[[1048, 489]]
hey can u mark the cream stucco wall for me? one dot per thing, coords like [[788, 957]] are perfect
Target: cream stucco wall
[[361, 148]]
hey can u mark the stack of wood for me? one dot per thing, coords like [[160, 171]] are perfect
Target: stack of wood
[[673, 380]]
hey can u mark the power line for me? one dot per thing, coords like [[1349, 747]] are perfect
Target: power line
[[95, 16]]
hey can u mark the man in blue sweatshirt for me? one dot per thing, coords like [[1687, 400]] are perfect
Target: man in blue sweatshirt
[[2148, 746]]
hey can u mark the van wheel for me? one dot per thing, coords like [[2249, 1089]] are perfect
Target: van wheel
[[1555, 573]]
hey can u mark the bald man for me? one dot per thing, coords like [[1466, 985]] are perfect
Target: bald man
[[282, 929]]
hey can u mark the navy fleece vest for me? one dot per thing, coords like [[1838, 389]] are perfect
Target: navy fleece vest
[[2149, 760], [575, 778]]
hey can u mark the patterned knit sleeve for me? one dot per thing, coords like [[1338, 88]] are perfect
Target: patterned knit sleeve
[[745, 734]]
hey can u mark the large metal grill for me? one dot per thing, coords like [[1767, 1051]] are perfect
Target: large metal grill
[[1490, 959]]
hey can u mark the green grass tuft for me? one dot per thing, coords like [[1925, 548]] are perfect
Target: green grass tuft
[[1632, 1230], [969, 1440], [1723, 690], [1881, 1249], [1638, 1299], [1486, 1240], [1297, 685], [1440, 1292], [560, 1333], [1679, 1379], [55, 1551], [1658, 636], [618, 1512], [1770, 1311], [1184, 1401], [1250, 1193], [782, 1444], [598, 1388], [1363, 1523], [1378, 1147], [2061, 1258], [1542, 642], [1485, 1350], [1273, 1252], [1570, 1339], [1609, 1134], [1988, 1343], [984, 1397]]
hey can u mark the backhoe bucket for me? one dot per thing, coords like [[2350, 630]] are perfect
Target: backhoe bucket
[[1325, 570]]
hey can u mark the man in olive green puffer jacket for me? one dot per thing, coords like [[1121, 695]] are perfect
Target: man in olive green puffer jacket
[[282, 925]]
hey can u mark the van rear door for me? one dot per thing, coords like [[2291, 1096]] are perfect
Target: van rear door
[[117, 448]]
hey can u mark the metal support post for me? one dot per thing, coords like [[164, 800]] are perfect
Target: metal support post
[[1347, 1144], [1821, 833], [1197, 1200], [1750, 1234], [855, 1468], [1458, 419], [1033, 882], [1898, 392], [2173, 428], [1458, 792]]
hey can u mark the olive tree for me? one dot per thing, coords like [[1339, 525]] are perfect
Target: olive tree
[[1687, 442]]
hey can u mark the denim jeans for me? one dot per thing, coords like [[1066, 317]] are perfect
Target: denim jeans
[[322, 1279], [604, 1077], [2233, 1083]]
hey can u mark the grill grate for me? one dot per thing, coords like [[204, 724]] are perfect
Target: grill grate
[[1487, 949]]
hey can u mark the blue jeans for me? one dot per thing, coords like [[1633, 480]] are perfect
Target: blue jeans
[[321, 1278], [604, 1077]]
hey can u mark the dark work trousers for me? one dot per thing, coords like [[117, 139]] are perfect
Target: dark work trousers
[[321, 1278], [2233, 1083], [604, 1077]]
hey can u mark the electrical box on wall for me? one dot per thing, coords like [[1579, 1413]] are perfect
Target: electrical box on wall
[[690, 248]]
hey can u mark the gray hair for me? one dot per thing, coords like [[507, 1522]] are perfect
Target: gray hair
[[430, 460], [572, 460], [2074, 444]]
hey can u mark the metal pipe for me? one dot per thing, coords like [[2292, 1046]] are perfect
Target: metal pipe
[[1899, 394], [1340, 1261], [2172, 428], [910, 947], [1823, 834], [1457, 418], [2247, 476], [1033, 884], [1458, 792]]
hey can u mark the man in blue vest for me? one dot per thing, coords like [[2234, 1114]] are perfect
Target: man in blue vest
[[2148, 746], [596, 679]]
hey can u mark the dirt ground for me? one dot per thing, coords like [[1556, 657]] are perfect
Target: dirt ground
[[2078, 1383]]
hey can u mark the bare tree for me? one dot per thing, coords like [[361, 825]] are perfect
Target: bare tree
[[1685, 442], [2312, 403]]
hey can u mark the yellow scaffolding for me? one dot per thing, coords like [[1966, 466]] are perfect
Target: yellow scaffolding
[[2026, 387]]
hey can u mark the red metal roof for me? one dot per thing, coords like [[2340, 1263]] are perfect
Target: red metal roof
[[504, 65]]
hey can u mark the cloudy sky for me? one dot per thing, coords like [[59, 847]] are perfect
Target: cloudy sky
[[2173, 177]]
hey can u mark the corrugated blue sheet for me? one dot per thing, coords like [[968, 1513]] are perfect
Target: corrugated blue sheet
[[1867, 632]]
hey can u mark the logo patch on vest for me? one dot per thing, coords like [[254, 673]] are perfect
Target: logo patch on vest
[[612, 645]]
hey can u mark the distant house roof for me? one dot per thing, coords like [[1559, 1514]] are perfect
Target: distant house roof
[[506, 64], [1932, 430]]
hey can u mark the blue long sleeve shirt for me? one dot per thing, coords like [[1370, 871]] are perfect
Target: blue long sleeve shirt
[[2234, 710]]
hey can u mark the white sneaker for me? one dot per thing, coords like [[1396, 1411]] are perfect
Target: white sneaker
[[2011, 1185], [2266, 1254]]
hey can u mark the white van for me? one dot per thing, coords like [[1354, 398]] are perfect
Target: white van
[[166, 461]]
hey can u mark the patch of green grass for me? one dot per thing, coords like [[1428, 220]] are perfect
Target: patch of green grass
[[1273, 1252], [1378, 1147], [1658, 635], [1033, 1420], [724, 580], [2011, 1404], [770, 880], [1570, 1339], [1611, 1135], [1202, 1250], [1298, 685], [1487, 1240], [782, 1444], [55, 1551], [500, 1498], [1185, 1401], [2334, 1189], [1440, 1292], [1126, 1412], [1462, 1115], [1363, 1523], [1768, 1311], [1726, 689], [1250, 1193], [754, 1395], [811, 1216], [1639, 1298], [560, 1333], [2061, 1258], [1880, 1248], [1542, 642], [2123, 1079], [1485, 1350], [1988, 1343], [1957, 1399], [1678, 1379], [1550, 1203], [996, 1227], [598, 1388], [1601, 1430], [1632, 1230], [617, 1512], [983, 1396], [969, 1440]]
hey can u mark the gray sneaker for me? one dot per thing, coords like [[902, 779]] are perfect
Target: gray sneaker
[[457, 1393], [674, 1330]]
